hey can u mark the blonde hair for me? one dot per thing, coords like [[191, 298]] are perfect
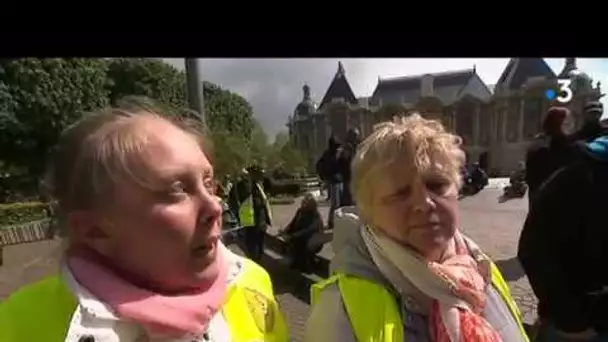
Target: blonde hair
[[100, 151], [410, 140]]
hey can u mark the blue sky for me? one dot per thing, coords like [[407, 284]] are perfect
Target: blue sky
[[274, 86]]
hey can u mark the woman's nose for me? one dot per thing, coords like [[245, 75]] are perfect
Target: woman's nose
[[423, 200], [210, 206]]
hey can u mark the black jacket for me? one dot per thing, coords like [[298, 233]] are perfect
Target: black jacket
[[327, 166], [589, 131], [562, 244], [545, 156]]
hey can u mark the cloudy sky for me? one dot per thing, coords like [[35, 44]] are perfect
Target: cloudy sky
[[274, 86]]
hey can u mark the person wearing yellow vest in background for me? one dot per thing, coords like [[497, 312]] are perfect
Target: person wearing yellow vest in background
[[144, 259], [402, 270], [255, 214]]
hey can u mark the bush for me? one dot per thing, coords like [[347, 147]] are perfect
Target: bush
[[22, 212], [291, 188]]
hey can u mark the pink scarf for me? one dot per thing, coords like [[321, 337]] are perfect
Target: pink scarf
[[467, 279], [161, 316], [457, 285]]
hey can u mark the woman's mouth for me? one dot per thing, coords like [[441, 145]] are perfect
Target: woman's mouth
[[207, 248]]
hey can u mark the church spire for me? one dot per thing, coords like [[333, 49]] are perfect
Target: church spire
[[341, 71]]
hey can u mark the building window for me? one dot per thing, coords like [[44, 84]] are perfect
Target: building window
[[532, 117]]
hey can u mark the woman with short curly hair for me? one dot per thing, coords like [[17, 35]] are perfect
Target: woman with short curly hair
[[403, 271]]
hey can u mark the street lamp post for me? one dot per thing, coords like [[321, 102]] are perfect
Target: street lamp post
[[195, 87]]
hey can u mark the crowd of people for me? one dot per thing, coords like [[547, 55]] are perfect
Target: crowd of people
[[144, 258]]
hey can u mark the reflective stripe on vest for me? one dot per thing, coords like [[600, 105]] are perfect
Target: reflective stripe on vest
[[379, 303], [246, 212], [43, 311]]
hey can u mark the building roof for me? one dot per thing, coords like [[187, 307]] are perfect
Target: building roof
[[518, 70], [447, 86], [339, 88]]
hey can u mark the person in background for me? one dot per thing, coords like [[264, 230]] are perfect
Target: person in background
[[227, 185], [144, 259], [479, 178], [517, 182], [255, 214], [550, 150], [238, 192], [327, 169], [345, 156], [402, 270], [591, 128], [562, 248], [305, 223]]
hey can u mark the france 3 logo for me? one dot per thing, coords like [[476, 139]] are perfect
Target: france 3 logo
[[565, 91]]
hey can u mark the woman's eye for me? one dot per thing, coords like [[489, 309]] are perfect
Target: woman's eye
[[209, 184], [177, 187], [437, 186]]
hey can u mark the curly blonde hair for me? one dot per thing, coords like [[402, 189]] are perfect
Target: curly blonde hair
[[410, 140]]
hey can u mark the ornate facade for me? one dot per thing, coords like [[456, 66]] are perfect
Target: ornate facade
[[497, 123]]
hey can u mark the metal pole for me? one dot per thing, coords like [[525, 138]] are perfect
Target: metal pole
[[195, 87]]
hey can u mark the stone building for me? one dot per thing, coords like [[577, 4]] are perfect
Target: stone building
[[497, 123]]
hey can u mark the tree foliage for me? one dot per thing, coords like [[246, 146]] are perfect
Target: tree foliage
[[41, 97], [228, 111], [152, 78], [285, 157]]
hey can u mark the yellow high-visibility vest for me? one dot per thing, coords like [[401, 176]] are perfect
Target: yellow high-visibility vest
[[246, 213], [43, 311], [376, 317]]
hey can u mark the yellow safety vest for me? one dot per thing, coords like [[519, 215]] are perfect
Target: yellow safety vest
[[376, 317], [246, 213], [43, 311]]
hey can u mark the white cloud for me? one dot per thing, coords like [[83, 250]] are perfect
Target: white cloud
[[273, 86]]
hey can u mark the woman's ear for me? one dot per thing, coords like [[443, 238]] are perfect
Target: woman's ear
[[85, 228]]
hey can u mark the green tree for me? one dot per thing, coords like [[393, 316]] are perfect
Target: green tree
[[39, 98], [286, 157], [231, 153], [152, 78], [258, 147], [228, 111], [148, 77]]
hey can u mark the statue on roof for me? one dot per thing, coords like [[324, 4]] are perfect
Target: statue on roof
[[306, 90]]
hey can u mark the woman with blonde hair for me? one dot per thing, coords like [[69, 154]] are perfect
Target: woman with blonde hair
[[144, 260], [402, 270]]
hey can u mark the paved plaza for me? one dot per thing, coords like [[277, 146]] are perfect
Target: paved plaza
[[494, 226]]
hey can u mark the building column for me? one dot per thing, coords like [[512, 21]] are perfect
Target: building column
[[313, 145], [520, 126], [347, 118], [361, 123], [296, 134], [476, 117]]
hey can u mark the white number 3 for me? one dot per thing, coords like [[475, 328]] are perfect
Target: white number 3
[[565, 88]]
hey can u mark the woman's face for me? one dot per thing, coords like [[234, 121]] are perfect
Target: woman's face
[[166, 237], [419, 210]]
